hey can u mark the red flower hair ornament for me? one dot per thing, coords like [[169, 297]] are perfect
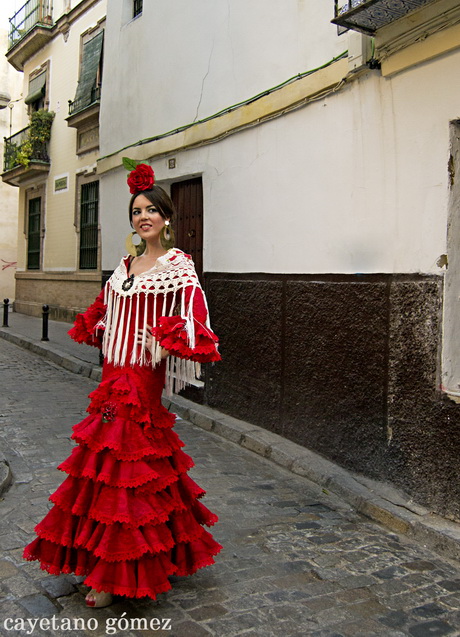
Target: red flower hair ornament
[[141, 176]]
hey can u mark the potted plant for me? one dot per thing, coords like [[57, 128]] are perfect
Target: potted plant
[[39, 134]]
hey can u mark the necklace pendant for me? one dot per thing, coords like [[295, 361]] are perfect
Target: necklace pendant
[[128, 283]]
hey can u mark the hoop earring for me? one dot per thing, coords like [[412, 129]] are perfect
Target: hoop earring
[[135, 250], [167, 237]]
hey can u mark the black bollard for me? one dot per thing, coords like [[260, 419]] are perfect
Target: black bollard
[[6, 303], [46, 311]]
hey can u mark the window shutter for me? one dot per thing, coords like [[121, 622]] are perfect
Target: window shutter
[[37, 88], [92, 51]]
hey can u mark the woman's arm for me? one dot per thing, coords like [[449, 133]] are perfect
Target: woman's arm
[[189, 338], [89, 325]]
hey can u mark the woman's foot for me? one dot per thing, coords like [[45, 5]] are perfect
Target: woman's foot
[[96, 599]]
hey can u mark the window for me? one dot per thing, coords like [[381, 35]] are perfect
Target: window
[[88, 89], [37, 91], [89, 221], [34, 234], [137, 7]]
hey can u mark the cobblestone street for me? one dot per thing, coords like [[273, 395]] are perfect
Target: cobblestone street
[[296, 561]]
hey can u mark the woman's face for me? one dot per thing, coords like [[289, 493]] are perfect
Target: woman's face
[[147, 220]]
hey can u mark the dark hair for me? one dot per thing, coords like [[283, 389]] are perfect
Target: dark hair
[[159, 198]]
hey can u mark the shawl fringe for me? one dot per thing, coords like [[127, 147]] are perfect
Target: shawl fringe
[[165, 283]]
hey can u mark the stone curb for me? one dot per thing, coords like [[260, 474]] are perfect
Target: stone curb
[[378, 501], [6, 476]]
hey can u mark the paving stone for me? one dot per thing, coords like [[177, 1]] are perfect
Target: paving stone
[[236, 622], [20, 586], [278, 596], [207, 612], [285, 504], [435, 628], [7, 569], [292, 612], [452, 601], [395, 619], [10, 541], [392, 572], [429, 610], [327, 538], [297, 561], [301, 580], [390, 588], [360, 581], [450, 585], [321, 603], [58, 586], [38, 605], [419, 565], [367, 608], [249, 602], [307, 525], [353, 595], [366, 628], [340, 615], [333, 574]]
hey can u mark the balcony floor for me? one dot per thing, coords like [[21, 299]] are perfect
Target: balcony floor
[[21, 176]]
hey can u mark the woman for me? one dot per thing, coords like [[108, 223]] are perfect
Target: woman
[[128, 515]]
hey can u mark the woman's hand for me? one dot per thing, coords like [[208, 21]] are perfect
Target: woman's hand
[[149, 340], [148, 337]]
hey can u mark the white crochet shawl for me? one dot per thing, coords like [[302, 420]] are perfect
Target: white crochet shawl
[[170, 275]]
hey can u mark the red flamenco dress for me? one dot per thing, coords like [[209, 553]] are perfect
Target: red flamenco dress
[[128, 516]]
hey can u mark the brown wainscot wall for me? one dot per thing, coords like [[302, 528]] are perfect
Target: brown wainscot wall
[[348, 366]]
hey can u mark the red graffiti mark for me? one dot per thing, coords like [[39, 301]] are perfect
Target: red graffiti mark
[[8, 264]]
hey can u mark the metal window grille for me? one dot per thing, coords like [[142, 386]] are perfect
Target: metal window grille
[[33, 234], [89, 219], [137, 7]]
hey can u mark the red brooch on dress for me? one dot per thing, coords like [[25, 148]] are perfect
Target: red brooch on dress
[[109, 413]]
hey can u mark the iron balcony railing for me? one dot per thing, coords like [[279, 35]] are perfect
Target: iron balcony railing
[[342, 6], [13, 146], [33, 12], [86, 100], [368, 16]]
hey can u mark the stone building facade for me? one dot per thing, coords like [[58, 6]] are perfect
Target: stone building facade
[[59, 48]]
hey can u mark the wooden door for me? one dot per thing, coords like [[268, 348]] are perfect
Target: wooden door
[[187, 197]]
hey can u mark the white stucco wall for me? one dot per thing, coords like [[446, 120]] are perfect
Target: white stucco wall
[[174, 65], [356, 182], [62, 6]]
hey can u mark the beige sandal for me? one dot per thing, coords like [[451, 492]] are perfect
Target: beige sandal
[[96, 599]]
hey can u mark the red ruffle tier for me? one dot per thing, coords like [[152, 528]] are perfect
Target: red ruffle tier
[[171, 334], [128, 515]]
